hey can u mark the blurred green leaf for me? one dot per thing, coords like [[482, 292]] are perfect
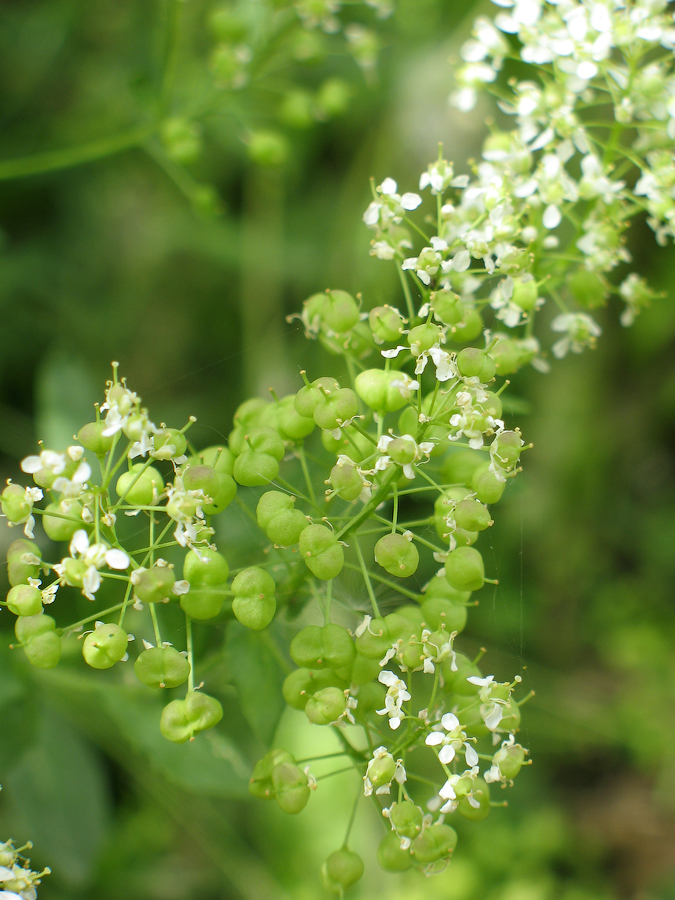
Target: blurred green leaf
[[257, 675]]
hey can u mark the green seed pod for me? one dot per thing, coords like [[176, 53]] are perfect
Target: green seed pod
[[254, 603], [374, 642], [14, 504], [464, 569], [219, 487], [406, 818], [507, 356], [510, 721], [321, 551], [408, 422], [371, 698], [381, 771], [302, 684], [439, 612], [397, 555], [456, 681], [342, 869], [485, 484], [525, 292], [391, 857], [286, 528], [19, 571], [588, 288], [413, 614], [291, 424], [386, 323], [92, 438], [492, 406], [481, 793], [219, 458], [265, 440], [439, 587], [162, 667], [468, 330], [475, 363], [24, 600], [472, 515], [248, 413], [260, 783], [290, 787], [332, 410], [423, 337], [207, 577], [140, 485], [361, 671], [253, 469], [181, 720], [330, 646], [41, 643], [447, 307], [269, 506], [399, 628], [378, 390], [307, 397], [62, 519], [459, 466], [155, 584], [444, 505], [347, 482], [340, 313], [326, 706], [507, 447], [436, 842], [169, 443], [510, 761], [104, 646]]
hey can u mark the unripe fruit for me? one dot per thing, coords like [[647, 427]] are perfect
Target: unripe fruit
[[335, 408], [361, 671], [472, 515], [468, 329], [340, 313], [162, 667], [381, 771], [378, 390], [525, 293], [486, 485], [207, 577], [104, 646], [436, 842], [328, 647], [507, 447], [390, 855], [397, 555], [423, 337], [270, 505], [307, 397], [169, 443], [481, 793], [258, 464], [507, 356], [464, 569], [322, 552], [456, 681], [510, 721], [14, 504], [447, 306], [19, 572], [291, 424], [24, 600], [41, 643], [219, 458], [386, 323], [439, 612], [588, 288], [279, 520], [326, 706], [399, 627], [92, 438], [140, 485], [269, 149], [406, 818], [155, 584], [64, 521], [46, 477], [439, 587], [492, 406], [510, 760], [290, 787], [374, 642], [475, 363], [219, 487], [254, 603], [459, 466], [413, 614], [302, 684], [247, 413], [260, 783], [347, 482], [342, 869], [181, 720], [371, 698]]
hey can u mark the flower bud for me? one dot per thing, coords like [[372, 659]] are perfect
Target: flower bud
[[475, 363], [18, 569], [330, 646], [24, 600], [41, 644], [254, 603], [92, 438], [464, 569], [181, 720], [207, 574], [397, 555], [140, 485], [436, 842], [162, 667], [386, 323], [61, 520], [290, 787], [342, 869], [486, 485], [104, 646], [155, 584], [391, 856], [322, 552], [326, 706]]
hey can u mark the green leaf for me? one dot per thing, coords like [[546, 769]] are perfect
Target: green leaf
[[255, 672], [18, 721]]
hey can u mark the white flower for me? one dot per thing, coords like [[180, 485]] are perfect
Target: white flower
[[451, 742], [397, 694], [581, 331]]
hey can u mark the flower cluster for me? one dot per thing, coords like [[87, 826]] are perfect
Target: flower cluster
[[17, 880]]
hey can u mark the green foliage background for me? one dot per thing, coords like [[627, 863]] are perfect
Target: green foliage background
[[126, 257]]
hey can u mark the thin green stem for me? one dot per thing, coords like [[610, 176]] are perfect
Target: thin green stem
[[190, 653], [366, 578]]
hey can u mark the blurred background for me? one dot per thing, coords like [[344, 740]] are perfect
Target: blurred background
[[177, 178]]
